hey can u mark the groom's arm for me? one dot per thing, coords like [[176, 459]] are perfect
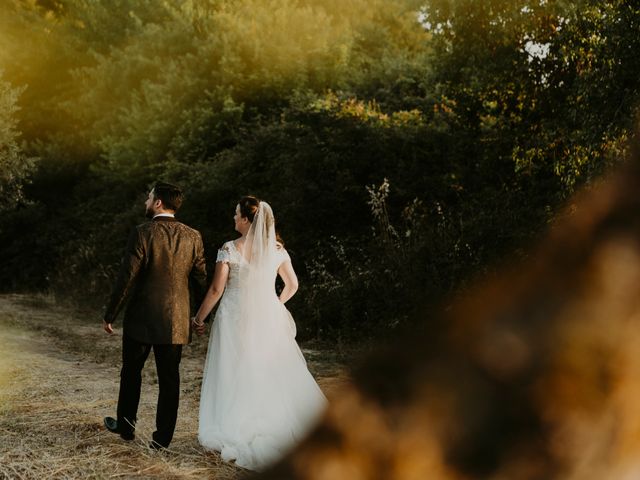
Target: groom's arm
[[131, 263], [198, 275]]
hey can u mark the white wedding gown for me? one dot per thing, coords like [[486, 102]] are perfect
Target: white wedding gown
[[258, 398]]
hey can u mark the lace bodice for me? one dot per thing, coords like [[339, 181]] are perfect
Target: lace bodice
[[228, 253]]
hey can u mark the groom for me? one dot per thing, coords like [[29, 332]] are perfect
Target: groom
[[162, 258]]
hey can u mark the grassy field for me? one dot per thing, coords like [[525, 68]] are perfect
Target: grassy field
[[59, 377]]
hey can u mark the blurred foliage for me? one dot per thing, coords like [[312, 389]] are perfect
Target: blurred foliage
[[405, 146], [15, 167]]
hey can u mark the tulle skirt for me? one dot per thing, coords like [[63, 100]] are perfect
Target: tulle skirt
[[258, 398]]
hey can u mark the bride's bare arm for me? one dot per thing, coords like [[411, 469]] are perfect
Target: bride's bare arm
[[215, 291], [290, 280]]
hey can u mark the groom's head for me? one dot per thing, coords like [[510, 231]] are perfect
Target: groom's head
[[163, 198]]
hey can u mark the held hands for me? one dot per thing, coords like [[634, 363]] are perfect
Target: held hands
[[198, 326]]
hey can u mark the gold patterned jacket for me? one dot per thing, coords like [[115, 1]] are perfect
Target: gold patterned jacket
[[163, 265]]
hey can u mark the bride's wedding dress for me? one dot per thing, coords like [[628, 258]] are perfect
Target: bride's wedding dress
[[258, 398]]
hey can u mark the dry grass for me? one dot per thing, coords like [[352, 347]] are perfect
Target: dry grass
[[59, 377]]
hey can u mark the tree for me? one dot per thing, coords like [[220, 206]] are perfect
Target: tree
[[14, 165]]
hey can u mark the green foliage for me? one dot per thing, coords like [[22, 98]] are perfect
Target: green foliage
[[15, 167], [558, 76], [406, 146]]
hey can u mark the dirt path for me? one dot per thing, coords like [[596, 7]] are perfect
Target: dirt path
[[59, 377]]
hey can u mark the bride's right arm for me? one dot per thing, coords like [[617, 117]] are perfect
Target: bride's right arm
[[215, 291], [290, 280]]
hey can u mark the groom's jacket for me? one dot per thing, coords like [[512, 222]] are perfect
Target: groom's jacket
[[163, 259]]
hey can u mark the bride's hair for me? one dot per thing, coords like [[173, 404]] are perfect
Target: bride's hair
[[249, 206]]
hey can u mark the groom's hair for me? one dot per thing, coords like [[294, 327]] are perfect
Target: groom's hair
[[170, 195]]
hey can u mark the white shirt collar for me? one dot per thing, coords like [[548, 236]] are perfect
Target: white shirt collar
[[164, 215]]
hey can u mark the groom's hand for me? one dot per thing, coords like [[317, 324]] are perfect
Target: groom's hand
[[107, 327], [198, 327]]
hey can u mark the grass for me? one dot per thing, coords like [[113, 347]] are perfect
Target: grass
[[59, 377]]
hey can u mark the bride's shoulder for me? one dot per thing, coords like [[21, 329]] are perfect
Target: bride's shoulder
[[282, 252], [227, 245], [224, 252]]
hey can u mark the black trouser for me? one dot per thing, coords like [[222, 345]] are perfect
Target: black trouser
[[134, 355]]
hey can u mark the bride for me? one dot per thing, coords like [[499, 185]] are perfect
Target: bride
[[258, 398]]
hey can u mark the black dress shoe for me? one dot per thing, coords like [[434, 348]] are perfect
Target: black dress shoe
[[112, 425]]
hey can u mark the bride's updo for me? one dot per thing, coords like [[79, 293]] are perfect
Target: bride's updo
[[249, 206]]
